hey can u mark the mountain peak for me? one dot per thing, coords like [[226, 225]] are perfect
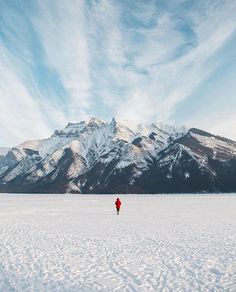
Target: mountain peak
[[74, 124], [95, 120], [97, 156]]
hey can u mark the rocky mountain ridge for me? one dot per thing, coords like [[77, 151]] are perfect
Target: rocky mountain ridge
[[118, 157]]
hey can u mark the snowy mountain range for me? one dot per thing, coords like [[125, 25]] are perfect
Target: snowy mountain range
[[120, 157]]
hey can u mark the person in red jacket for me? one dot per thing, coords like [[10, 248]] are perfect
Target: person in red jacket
[[118, 204]]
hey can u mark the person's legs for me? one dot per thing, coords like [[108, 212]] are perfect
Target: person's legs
[[117, 209]]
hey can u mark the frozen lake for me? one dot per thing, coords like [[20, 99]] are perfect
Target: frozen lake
[[78, 243]]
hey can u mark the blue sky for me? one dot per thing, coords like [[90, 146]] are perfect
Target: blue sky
[[167, 61]]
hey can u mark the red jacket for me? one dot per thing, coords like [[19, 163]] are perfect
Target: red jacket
[[118, 203]]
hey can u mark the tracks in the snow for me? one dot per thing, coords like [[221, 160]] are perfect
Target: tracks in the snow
[[63, 246]]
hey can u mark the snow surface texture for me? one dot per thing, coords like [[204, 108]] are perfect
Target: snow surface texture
[[78, 243]]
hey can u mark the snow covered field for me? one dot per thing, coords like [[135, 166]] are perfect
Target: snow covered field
[[78, 243]]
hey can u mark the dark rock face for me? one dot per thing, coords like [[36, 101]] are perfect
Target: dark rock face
[[152, 136], [31, 152], [186, 176], [186, 166], [54, 182], [137, 142], [197, 162]]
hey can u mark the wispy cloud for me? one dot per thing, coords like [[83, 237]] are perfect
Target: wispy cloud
[[21, 116], [137, 60], [171, 80], [218, 123], [62, 30]]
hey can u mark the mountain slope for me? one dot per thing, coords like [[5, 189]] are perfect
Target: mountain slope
[[115, 157], [3, 152], [197, 162]]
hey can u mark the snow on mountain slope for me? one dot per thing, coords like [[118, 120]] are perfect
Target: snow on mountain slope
[[91, 142], [103, 157], [193, 163], [222, 148]]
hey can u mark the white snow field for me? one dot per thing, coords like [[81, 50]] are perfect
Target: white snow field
[[78, 243]]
